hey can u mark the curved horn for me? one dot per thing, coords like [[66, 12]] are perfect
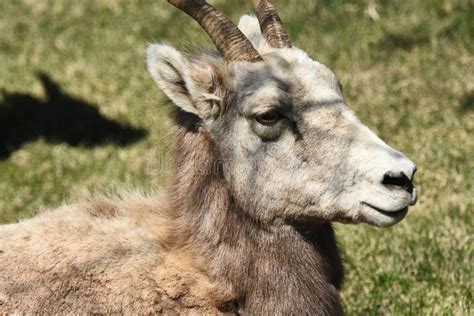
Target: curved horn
[[270, 24], [229, 40]]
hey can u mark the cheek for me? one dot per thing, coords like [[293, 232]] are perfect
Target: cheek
[[239, 151], [276, 173], [246, 142], [256, 165]]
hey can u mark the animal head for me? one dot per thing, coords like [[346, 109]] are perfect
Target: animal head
[[292, 148]]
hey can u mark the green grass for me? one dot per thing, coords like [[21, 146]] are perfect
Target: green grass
[[407, 69]]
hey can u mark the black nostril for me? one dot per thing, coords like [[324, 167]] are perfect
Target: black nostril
[[398, 180]]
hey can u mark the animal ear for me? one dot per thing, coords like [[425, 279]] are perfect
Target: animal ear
[[191, 84], [250, 26]]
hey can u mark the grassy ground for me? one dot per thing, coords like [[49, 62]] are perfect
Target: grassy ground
[[407, 69]]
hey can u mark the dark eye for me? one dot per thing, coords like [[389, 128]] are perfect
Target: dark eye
[[268, 118]]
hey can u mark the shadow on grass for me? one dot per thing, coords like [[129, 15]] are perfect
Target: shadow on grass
[[467, 103], [60, 118]]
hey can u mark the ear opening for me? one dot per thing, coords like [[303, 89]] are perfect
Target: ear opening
[[167, 67], [192, 85]]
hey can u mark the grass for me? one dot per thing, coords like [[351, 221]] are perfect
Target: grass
[[407, 69]]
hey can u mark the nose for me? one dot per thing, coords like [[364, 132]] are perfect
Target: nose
[[399, 179]]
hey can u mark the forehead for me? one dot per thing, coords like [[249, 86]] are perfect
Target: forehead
[[288, 73]]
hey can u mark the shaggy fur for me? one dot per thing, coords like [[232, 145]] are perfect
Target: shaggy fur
[[245, 227], [198, 254]]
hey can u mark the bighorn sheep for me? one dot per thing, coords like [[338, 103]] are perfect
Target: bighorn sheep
[[267, 155]]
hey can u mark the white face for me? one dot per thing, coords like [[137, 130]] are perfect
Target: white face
[[292, 149]]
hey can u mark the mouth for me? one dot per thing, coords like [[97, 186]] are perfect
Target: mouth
[[393, 214], [381, 217]]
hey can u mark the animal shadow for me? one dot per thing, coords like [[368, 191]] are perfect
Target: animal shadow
[[60, 118]]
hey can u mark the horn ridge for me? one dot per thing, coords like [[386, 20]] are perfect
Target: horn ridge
[[271, 24], [229, 40]]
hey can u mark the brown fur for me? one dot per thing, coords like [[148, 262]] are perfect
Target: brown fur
[[245, 227], [197, 254]]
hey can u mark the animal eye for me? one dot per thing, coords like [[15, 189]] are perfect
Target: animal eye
[[268, 118]]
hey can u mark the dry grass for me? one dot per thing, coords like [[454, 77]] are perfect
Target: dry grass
[[407, 70]]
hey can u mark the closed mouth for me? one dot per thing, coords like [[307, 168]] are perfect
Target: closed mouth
[[392, 214]]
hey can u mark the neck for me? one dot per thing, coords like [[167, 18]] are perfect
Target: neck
[[277, 269]]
